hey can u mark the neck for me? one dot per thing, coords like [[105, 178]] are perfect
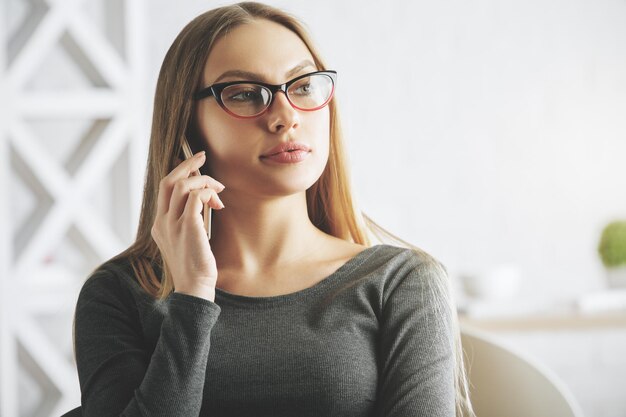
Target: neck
[[263, 233]]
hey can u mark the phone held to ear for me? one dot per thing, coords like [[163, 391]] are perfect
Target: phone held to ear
[[206, 212]]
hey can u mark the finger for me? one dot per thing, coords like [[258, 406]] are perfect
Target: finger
[[218, 185], [196, 201], [182, 189], [183, 170]]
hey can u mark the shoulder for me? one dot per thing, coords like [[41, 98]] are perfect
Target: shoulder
[[416, 293], [112, 282], [400, 261], [410, 272]]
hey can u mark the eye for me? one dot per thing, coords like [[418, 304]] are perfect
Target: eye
[[305, 88], [244, 95]]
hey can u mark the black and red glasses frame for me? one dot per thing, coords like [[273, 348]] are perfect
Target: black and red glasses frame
[[215, 90]]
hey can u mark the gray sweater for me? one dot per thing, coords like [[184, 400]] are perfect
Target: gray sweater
[[371, 339]]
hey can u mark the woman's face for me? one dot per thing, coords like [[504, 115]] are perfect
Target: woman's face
[[234, 146]]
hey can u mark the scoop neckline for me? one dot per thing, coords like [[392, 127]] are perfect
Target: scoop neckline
[[249, 301]]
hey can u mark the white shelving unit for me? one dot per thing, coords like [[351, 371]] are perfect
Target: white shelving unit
[[73, 143]]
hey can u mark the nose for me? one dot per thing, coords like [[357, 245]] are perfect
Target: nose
[[282, 115]]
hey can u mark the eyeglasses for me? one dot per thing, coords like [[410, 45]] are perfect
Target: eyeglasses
[[248, 99]]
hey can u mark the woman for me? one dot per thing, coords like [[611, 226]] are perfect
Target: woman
[[287, 310]]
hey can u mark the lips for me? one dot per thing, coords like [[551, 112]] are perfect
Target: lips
[[286, 147]]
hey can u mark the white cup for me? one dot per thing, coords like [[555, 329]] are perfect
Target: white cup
[[501, 282]]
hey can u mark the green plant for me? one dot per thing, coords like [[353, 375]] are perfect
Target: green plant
[[612, 247]]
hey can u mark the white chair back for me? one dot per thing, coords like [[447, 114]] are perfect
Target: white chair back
[[507, 383]]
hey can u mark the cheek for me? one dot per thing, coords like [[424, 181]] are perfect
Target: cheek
[[318, 130], [222, 134]]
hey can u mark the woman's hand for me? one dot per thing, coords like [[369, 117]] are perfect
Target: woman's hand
[[178, 228]]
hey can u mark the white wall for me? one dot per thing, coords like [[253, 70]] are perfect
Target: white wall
[[504, 124]]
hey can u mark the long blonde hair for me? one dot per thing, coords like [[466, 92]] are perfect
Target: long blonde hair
[[329, 200]]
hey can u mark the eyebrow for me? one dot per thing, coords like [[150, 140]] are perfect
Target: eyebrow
[[247, 75]]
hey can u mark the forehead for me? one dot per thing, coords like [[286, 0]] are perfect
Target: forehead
[[263, 47]]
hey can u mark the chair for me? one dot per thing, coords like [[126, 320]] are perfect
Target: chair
[[506, 382], [77, 412]]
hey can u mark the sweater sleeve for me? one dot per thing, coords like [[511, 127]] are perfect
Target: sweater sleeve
[[118, 374], [416, 345]]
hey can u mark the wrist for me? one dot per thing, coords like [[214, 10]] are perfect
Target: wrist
[[205, 292]]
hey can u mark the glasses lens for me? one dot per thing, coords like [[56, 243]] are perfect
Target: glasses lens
[[311, 92], [246, 99]]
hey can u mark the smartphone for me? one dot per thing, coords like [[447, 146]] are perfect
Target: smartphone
[[206, 212]]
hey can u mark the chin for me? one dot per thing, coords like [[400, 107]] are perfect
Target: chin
[[291, 183]]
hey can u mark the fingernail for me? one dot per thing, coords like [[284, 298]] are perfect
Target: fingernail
[[200, 154]]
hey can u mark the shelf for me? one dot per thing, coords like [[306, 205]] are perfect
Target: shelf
[[545, 321]]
